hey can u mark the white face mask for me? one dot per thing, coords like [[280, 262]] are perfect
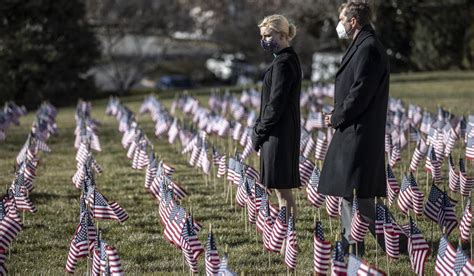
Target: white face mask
[[341, 31]]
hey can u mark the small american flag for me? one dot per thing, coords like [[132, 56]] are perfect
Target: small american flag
[[321, 146], [10, 227], [380, 210], [339, 267], [470, 148], [392, 236], [453, 176], [322, 250], [103, 209], [359, 227], [306, 167], [221, 171], [190, 245], [445, 257], [395, 155], [418, 249], [447, 215], [433, 165], [418, 154], [463, 265], [20, 192], [278, 232], [79, 247], [392, 185], [3, 257], [114, 265], [151, 170], [465, 183], [315, 198], [212, 259], [333, 206], [410, 196], [466, 220], [360, 267], [433, 205], [291, 249], [241, 195], [309, 147]]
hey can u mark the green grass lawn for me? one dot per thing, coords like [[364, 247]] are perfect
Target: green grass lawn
[[42, 246]]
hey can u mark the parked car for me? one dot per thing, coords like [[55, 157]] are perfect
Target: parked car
[[174, 81]]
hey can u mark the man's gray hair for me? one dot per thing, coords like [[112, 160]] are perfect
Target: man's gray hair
[[360, 10]]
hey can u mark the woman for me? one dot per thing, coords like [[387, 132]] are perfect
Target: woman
[[276, 132]]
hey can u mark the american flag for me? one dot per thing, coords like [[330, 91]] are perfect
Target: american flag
[[190, 245], [309, 147], [314, 197], [418, 155], [333, 206], [321, 146], [433, 165], [322, 250], [174, 225], [23, 202], [465, 183], [306, 169], [9, 225], [224, 269], [151, 170], [263, 213], [392, 185], [291, 249], [251, 172], [194, 158], [259, 193], [80, 244], [470, 148], [447, 215], [453, 176], [388, 143], [418, 249], [103, 209], [466, 220], [278, 232], [433, 205], [380, 210], [339, 267], [212, 259], [450, 140], [3, 257], [445, 257], [140, 156], [114, 265], [395, 155], [356, 266], [392, 236], [410, 196], [462, 264], [359, 227], [97, 253], [241, 195], [222, 167]]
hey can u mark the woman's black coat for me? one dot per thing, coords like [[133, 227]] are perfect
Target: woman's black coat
[[355, 157], [277, 130]]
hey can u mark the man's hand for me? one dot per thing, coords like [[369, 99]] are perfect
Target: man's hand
[[327, 119]]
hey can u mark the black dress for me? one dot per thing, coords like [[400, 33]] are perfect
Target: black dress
[[355, 157], [277, 128]]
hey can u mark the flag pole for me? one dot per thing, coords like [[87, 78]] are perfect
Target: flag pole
[[376, 236], [356, 243]]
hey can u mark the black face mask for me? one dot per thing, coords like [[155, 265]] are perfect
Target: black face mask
[[269, 45]]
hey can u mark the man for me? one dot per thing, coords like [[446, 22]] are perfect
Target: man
[[355, 157]]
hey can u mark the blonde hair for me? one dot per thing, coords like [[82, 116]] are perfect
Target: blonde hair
[[279, 23]]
